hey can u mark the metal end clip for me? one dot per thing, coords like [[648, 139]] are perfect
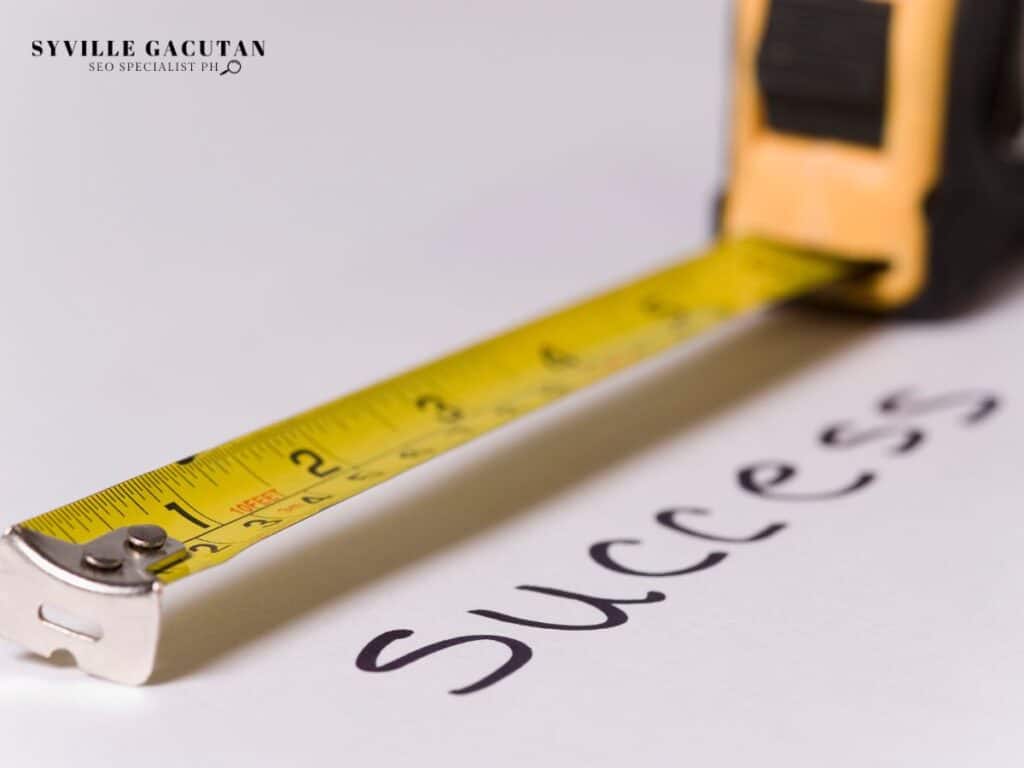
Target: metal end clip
[[99, 601]]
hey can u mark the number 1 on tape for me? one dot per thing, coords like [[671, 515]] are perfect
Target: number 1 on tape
[[106, 557]]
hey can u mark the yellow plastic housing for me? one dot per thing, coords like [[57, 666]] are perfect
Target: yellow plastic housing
[[854, 201]]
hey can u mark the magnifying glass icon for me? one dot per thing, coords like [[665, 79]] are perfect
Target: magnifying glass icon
[[233, 68]]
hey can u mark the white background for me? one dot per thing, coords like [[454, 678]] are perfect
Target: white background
[[186, 257]]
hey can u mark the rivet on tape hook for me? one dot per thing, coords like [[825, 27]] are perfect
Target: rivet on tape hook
[[99, 601]]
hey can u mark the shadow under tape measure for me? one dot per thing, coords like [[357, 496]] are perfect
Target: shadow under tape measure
[[653, 408]]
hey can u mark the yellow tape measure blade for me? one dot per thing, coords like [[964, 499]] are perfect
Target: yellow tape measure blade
[[225, 499]]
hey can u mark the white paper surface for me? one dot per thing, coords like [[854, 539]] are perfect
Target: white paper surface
[[185, 258]]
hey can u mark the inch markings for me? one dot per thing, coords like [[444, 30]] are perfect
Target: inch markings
[[222, 500]]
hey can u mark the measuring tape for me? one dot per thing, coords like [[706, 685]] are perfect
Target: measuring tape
[[867, 129], [108, 555], [223, 500]]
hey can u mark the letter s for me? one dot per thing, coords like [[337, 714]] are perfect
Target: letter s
[[979, 404], [845, 435], [37, 47], [368, 657]]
